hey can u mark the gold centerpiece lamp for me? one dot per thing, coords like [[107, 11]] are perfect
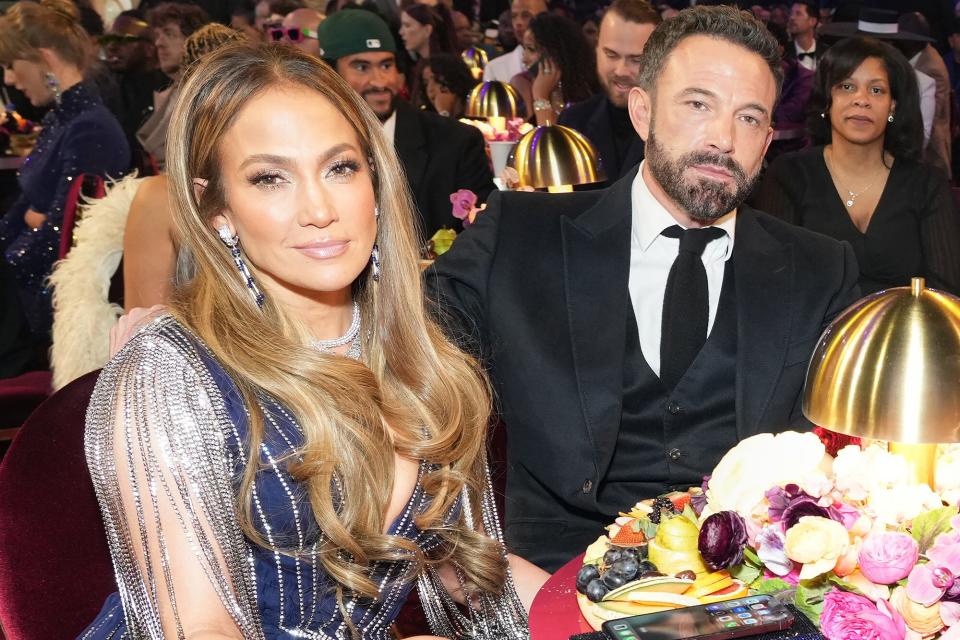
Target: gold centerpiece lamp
[[476, 60], [556, 158], [888, 368], [496, 102]]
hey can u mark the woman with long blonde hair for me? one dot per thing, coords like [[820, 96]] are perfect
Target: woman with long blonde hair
[[295, 444]]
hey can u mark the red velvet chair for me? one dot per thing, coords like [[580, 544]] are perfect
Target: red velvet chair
[[55, 570]]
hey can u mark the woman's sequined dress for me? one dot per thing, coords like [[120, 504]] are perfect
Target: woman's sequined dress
[[79, 136], [184, 432]]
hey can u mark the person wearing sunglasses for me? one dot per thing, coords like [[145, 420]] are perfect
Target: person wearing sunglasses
[[299, 28]]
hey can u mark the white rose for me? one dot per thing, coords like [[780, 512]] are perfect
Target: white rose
[[891, 506], [744, 474]]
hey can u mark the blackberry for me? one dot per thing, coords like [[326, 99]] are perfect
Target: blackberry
[[659, 505]]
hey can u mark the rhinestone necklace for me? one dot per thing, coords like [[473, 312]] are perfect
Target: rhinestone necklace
[[351, 337]]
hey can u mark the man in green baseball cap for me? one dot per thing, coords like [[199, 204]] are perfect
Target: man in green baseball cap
[[359, 45], [440, 155]]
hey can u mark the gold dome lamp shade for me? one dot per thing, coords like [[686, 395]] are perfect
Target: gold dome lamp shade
[[888, 368], [476, 60], [556, 158], [495, 102]]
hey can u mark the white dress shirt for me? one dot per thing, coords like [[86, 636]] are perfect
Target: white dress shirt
[[505, 66], [805, 62], [390, 127], [652, 255]]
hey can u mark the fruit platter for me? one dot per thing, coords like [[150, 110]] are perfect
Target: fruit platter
[[649, 561]]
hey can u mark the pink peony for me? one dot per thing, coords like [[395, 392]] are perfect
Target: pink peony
[[888, 556], [847, 616], [839, 606], [463, 202]]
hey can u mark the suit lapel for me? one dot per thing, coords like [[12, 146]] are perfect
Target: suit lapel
[[411, 145], [763, 269], [596, 248]]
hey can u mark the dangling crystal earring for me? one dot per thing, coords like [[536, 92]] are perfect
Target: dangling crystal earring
[[375, 262], [890, 118], [375, 254], [54, 85], [233, 243]]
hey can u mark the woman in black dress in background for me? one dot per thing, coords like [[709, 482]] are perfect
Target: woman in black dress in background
[[863, 182]]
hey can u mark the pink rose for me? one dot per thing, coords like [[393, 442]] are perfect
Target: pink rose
[[888, 556], [847, 616], [839, 606], [463, 202]]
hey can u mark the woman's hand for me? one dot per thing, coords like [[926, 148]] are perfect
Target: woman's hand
[[129, 323], [34, 219], [547, 80]]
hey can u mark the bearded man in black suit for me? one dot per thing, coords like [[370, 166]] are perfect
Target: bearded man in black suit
[[439, 155], [626, 362]]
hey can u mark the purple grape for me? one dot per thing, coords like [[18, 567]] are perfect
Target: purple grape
[[585, 576], [596, 590], [613, 580]]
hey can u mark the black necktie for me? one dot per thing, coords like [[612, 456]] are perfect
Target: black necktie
[[686, 306], [806, 54]]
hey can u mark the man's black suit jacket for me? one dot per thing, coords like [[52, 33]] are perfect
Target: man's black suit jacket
[[538, 287], [592, 118], [440, 156]]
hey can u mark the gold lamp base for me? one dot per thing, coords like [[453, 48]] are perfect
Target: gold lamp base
[[922, 459]]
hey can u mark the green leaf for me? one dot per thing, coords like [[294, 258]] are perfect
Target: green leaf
[[750, 556], [771, 585], [927, 526], [839, 582], [745, 572], [809, 598], [648, 527]]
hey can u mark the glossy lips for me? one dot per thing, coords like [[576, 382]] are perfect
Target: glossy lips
[[323, 249]]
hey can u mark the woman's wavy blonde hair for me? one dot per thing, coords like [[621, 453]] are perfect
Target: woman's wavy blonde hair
[[435, 398]]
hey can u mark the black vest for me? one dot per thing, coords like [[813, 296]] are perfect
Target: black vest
[[669, 441]]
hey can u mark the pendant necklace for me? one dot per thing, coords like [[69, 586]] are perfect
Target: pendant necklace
[[851, 195]]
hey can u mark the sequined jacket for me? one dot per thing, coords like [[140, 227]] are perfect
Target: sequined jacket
[[79, 136], [166, 446]]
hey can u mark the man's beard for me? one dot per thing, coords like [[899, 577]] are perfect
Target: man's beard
[[614, 96], [383, 117], [704, 200]]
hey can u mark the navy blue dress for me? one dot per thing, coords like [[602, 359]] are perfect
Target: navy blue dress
[[294, 595], [79, 136]]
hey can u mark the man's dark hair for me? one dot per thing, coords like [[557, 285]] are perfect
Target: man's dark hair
[[812, 7], [953, 27], [188, 17], [639, 11], [904, 136], [720, 22], [562, 40]]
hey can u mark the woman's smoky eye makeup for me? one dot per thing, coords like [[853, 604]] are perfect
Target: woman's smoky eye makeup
[[340, 169]]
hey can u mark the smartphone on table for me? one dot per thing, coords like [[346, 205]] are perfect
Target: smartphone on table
[[748, 616]]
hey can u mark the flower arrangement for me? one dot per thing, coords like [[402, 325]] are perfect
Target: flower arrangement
[[494, 131], [871, 554]]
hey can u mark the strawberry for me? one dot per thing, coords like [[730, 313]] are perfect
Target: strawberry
[[629, 535]]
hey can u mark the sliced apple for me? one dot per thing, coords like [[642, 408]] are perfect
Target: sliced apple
[[594, 553]]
